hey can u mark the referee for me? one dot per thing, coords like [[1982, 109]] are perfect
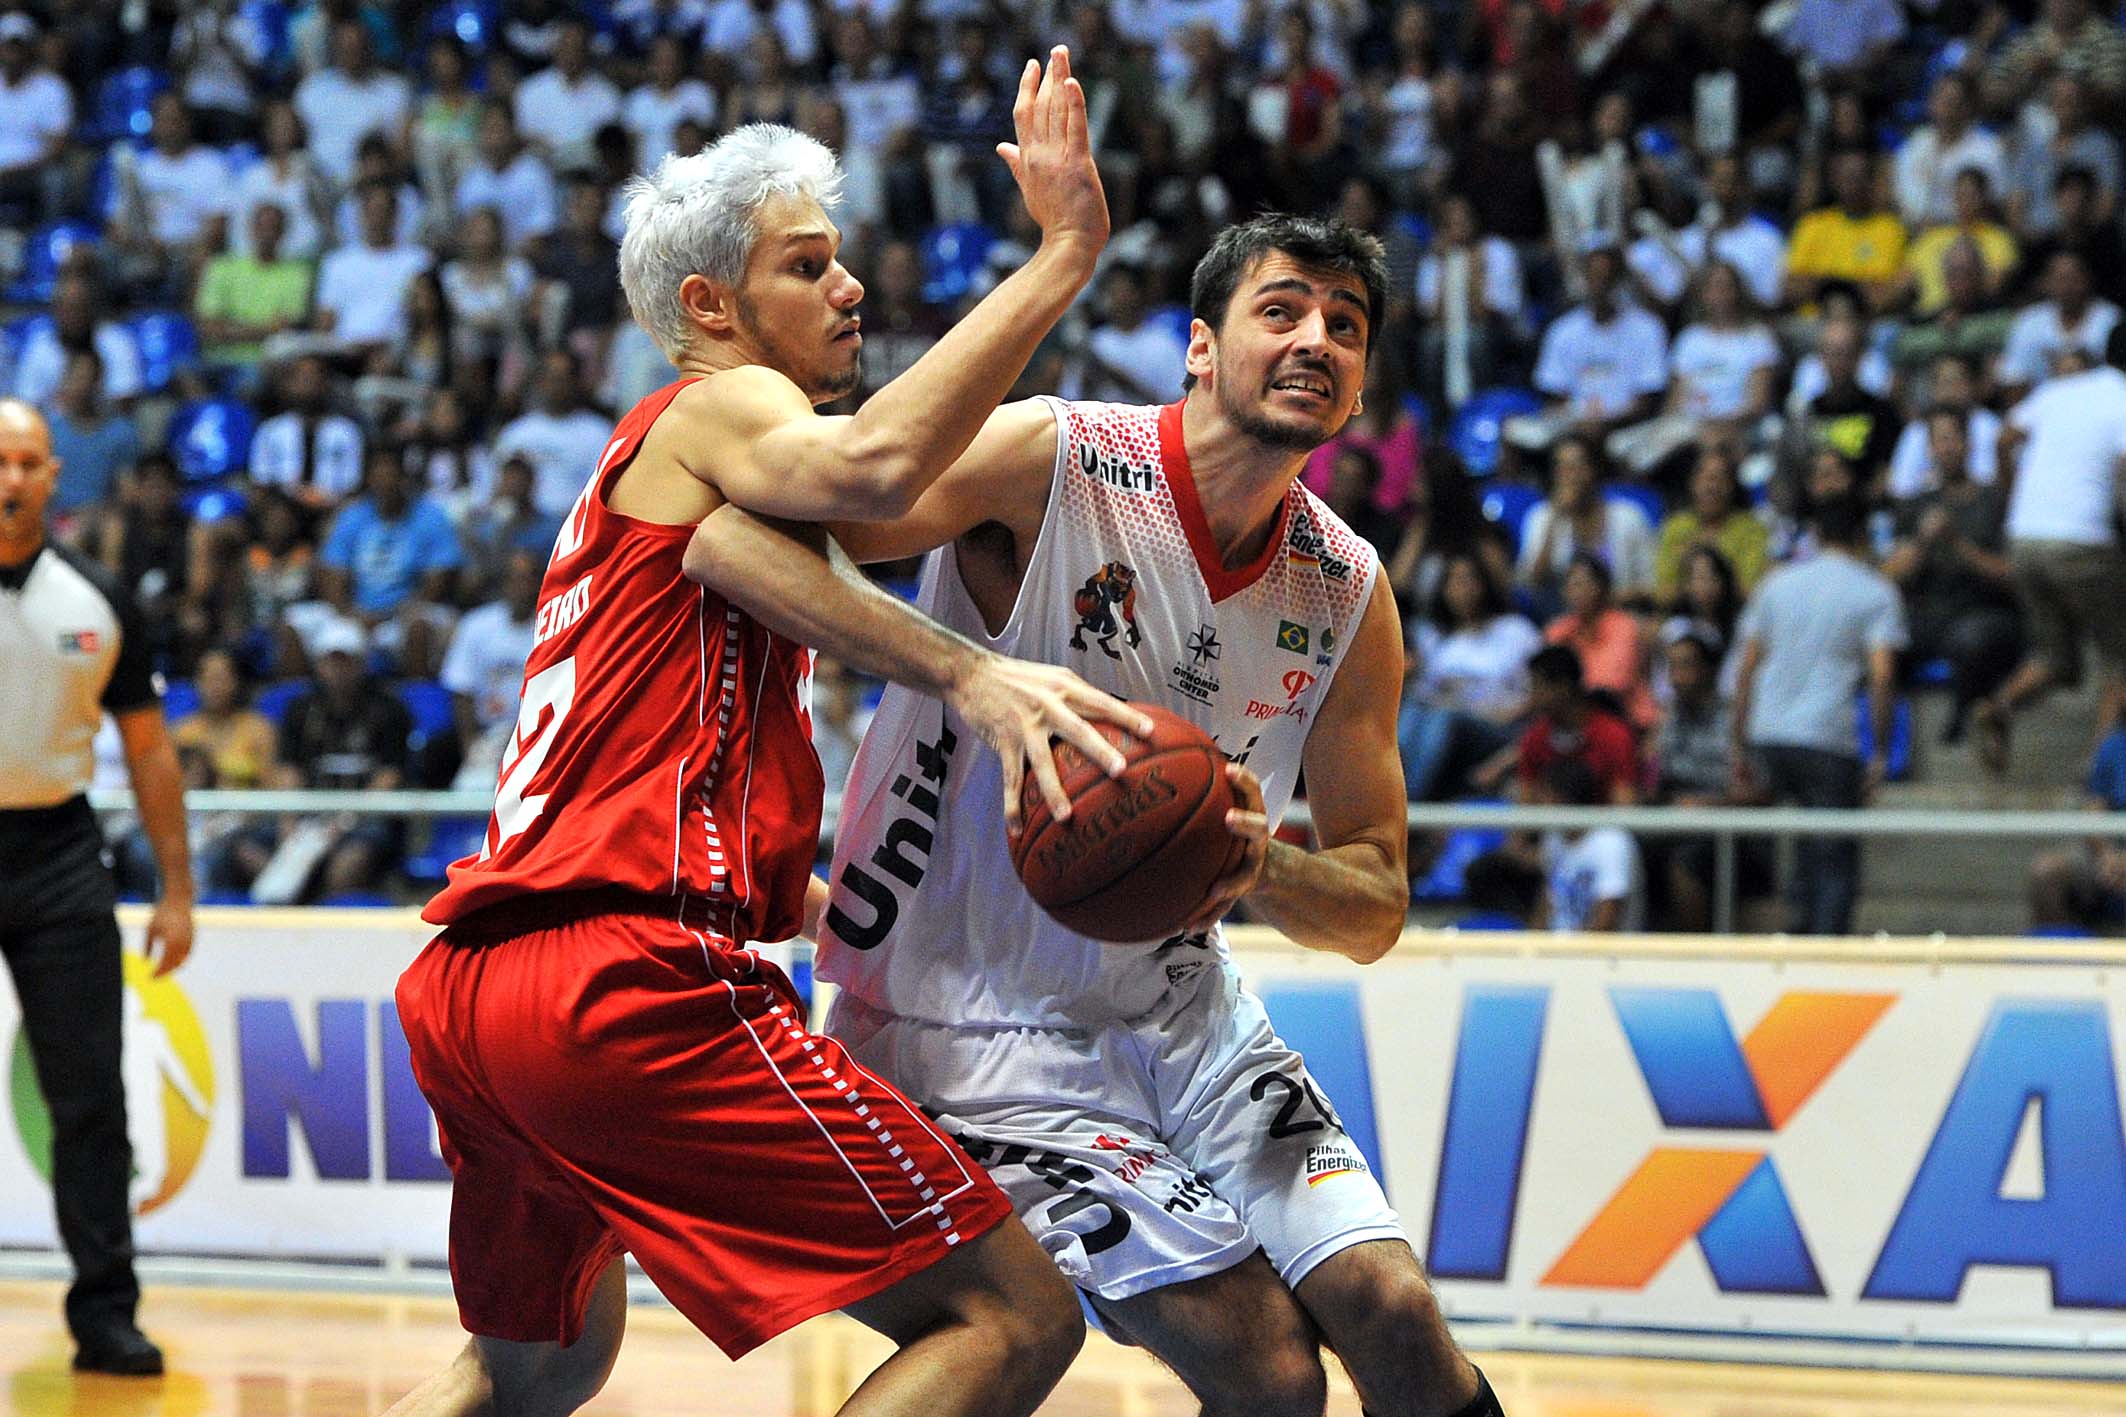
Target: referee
[[70, 650]]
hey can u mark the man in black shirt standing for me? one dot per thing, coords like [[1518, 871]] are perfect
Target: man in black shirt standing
[[71, 650]]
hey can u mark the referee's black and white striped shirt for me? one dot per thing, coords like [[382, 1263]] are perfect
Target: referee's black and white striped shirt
[[71, 650]]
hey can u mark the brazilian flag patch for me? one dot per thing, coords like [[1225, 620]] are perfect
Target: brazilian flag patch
[[1291, 637]]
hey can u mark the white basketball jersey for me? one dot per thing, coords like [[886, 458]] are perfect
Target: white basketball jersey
[[927, 919]]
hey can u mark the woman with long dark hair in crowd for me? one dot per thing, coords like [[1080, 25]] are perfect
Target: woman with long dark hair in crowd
[[1469, 679]]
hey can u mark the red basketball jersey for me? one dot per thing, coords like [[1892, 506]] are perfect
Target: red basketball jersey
[[664, 745]]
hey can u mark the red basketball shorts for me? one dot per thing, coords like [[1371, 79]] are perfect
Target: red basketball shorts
[[619, 1082]]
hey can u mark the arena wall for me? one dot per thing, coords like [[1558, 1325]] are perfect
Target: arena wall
[[1897, 1142]]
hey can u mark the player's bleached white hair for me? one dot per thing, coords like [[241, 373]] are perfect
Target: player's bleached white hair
[[697, 215]]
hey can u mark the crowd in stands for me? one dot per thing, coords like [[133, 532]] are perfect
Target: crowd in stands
[[1718, 336]]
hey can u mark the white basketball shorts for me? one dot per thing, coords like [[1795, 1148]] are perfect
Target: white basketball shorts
[[1145, 1153]]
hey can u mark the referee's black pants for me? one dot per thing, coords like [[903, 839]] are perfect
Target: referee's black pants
[[60, 936]]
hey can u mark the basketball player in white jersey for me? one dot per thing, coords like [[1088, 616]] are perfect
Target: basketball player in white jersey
[[1170, 1153]]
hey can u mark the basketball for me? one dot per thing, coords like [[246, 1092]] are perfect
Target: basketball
[[1140, 852]]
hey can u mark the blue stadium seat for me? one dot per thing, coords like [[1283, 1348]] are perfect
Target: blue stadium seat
[[273, 700], [169, 345], [431, 706], [215, 504], [1645, 498], [15, 337], [273, 22], [1933, 674], [449, 839], [179, 698], [359, 900], [1414, 404], [211, 438], [1897, 761], [42, 257], [1175, 319], [952, 254], [1479, 424], [125, 103], [473, 23], [1444, 881], [1508, 504]]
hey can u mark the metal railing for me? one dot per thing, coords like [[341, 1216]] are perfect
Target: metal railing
[[1725, 825]]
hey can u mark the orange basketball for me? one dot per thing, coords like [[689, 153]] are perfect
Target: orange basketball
[[1140, 852]]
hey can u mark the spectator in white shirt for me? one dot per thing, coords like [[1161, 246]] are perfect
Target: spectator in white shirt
[[347, 101], [1469, 680], [77, 323], [1726, 363], [733, 24], [2056, 136], [562, 107], [1954, 390], [2070, 316], [561, 438], [307, 450], [2068, 439], [1928, 162], [1596, 883], [1127, 358], [1469, 303], [286, 177], [1576, 517], [378, 164], [169, 201], [510, 178], [655, 106], [484, 670], [1728, 230], [361, 289], [1603, 364], [36, 119]]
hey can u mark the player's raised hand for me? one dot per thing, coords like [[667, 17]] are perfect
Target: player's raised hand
[[1053, 159], [1019, 709]]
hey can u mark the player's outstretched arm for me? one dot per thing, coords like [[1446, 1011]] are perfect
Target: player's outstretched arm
[[1004, 476], [1351, 894], [777, 459], [795, 580]]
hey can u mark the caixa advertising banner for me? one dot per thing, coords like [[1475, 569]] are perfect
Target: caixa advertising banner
[[1848, 1140]]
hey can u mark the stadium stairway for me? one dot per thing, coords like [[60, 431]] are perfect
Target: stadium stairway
[[1973, 885]]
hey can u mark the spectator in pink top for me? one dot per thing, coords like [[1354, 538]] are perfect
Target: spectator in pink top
[[1383, 426], [1611, 646]]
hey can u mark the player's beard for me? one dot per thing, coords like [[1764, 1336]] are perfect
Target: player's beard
[[1268, 431], [844, 381], [820, 385]]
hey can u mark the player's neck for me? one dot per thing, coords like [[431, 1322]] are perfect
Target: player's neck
[[1240, 482]]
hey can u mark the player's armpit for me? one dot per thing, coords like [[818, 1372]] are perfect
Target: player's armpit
[[752, 434], [1004, 476]]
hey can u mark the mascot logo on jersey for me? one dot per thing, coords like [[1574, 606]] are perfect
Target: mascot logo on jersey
[[1106, 591]]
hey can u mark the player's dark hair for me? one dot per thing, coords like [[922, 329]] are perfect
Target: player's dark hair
[[1317, 241], [1557, 664]]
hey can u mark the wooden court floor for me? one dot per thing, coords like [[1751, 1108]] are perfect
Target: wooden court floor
[[266, 1353]]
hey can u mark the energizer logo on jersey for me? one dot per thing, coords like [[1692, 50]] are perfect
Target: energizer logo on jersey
[[1115, 471], [1306, 546], [911, 830]]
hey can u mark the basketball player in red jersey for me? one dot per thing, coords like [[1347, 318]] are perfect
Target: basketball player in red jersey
[[612, 1069], [1053, 1056]]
